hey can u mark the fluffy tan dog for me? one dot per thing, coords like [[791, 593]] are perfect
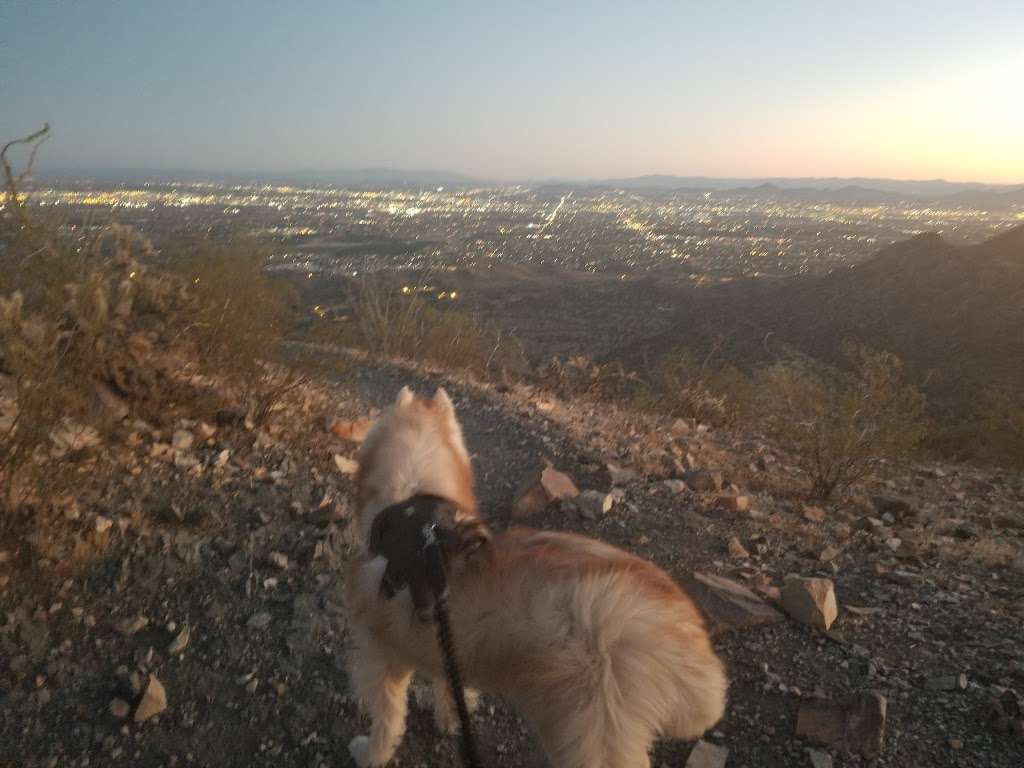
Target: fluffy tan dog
[[599, 650]]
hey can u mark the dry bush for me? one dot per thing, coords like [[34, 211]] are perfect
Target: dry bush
[[580, 377], [92, 330], [842, 427], [387, 322], [1000, 427], [712, 393]]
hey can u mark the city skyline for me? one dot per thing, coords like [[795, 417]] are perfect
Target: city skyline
[[536, 93]]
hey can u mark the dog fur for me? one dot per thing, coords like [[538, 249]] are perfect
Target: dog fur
[[598, 649]]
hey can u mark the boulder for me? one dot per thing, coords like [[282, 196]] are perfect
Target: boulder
[[810, 601], [549, 487], [856, 723], [728, 605]]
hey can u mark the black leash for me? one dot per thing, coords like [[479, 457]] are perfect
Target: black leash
[[409, 537], [470, 753]]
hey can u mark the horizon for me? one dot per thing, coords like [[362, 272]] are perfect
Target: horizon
[[535, 95]]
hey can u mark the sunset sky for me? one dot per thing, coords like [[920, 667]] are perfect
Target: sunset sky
[[523, 90]]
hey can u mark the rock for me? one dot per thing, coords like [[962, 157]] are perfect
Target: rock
[[680, 428], [819, 759], [947, 683], [103, 524], [620, 475], [154, 701], [676, 486], [259, 621], [856, 724], [707, 755], [733, 503], [897, 506], [537, 495], [182, 440], [868, 524], [120, 708], [703, 481], [810, 601], [131, 625], [180, 643], [279, 560], [737, 550], [828, 554], [353, 431], [345, 465], [814, 514], [594, 504], [728, 605]]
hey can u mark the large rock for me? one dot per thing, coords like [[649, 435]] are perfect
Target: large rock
[[810, 601], [538, 494], [154, 701], [728, 605], [707, 755], [856, 724]]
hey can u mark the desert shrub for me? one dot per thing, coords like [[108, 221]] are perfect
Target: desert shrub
[[710, 392], [999, 427], [841, 427], [387, 322], [581, 377], [94, 328]]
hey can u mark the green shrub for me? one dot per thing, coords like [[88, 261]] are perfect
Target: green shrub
[[842, 427]]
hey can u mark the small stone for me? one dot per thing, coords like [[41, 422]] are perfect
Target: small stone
[[707, 755], [132, 625], [103, 524], [828, 554], [703, 481], [354, 431], [856, 724], [182, 440], [737, 550], [594, 504], [956, 744], [733, 503], [154, 701], [819, 759], [280, 560], [345, 465], [676, 486], [897, 506], [810, 601], [814, 514], [180, 643], [549, 487], [120, 708], [947, 683], [259, 621], [620, 475]]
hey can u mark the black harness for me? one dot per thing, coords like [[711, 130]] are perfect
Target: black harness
[[418, 537]]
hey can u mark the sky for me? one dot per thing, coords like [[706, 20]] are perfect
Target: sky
[[523, 90]]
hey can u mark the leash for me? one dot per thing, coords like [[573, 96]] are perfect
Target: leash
[[467, 742], [407, 534]]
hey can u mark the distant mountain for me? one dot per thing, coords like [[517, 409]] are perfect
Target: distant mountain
[[924, 188], [954, 314], [360, 177]]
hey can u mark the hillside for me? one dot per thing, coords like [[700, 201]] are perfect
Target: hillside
[[211, 559], [954, 314]]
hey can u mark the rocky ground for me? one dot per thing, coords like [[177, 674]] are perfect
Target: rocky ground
[[197, 618]]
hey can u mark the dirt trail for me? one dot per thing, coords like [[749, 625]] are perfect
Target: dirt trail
[[247, 555]]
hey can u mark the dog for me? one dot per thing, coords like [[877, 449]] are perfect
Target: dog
[[599, 650]]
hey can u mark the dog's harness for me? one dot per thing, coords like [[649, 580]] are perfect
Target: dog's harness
[[417, 546]]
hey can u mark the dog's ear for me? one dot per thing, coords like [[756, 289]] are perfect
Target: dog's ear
[[442, 402], [405, 397]]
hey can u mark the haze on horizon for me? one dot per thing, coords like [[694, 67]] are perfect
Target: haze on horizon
[[912, 90]]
